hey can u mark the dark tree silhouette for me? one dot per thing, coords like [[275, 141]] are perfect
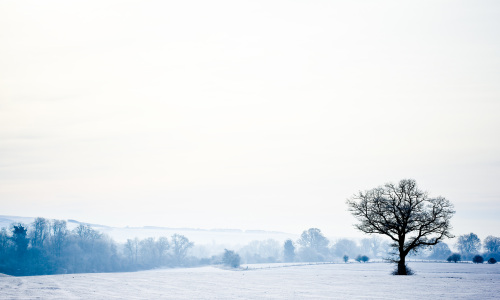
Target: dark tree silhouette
[[362, 258], [20, 239], [404, 213], [455, 257], [20, 243], [289, 251], [478, 259]]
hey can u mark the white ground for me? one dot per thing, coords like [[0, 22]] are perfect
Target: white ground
[[338, 281]]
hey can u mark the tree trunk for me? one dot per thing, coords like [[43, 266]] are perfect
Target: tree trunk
[[402, 265]]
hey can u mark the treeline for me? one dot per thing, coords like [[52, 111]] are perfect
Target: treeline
[[313, 246], [468, 247], [49, 247]]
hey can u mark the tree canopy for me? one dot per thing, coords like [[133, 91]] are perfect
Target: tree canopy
[[404, 213], [468, 244]]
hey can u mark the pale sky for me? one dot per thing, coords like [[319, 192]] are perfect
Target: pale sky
[[247, 114]]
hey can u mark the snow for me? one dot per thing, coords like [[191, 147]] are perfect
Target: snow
[[274, 281]]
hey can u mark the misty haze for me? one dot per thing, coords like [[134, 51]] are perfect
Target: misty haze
[[249, 149]]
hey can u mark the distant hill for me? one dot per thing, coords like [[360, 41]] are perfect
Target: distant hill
[[230, 237], [90, 224], [6, 221]]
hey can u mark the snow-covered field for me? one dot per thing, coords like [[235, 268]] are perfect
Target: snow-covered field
[[337, 281]]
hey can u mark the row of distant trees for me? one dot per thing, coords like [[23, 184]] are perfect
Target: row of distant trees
[[49, 247], [151, 253], [468, 246], [314, 246]]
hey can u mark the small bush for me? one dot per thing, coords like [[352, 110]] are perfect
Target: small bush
[[478, 259], [231, 259], [362, 258], [346, 258], [454, 257], [492, 261]]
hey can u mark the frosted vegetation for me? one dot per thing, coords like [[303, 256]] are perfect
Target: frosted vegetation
[[49, 247]]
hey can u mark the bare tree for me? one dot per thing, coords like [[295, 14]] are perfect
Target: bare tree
[[132, 249], [313, 238], [59, 236], [87, 237], [162, 246], [404, 213], [180, 245], [39, 232], [468, 245], [149, 252], [345, 247], [492, 244], [440, 251], [267, 251]]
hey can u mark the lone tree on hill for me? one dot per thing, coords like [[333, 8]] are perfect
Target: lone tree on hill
[[404, 213]]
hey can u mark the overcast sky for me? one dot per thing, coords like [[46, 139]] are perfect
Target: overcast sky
[[247, 114]]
